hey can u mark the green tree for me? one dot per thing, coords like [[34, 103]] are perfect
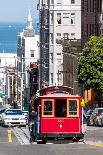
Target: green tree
[[90, 65]]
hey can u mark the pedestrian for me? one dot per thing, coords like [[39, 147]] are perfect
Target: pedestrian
[[84, 121], [32, 124]]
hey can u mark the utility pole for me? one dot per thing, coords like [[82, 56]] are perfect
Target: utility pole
[[22, 83], [17, 80]]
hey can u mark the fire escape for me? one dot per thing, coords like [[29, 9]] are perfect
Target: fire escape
[[44, 43]]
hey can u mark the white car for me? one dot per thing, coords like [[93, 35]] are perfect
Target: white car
[[13, 117], [1, 111]]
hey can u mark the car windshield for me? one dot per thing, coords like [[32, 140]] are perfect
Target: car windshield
[[13, 112], [89, 112]]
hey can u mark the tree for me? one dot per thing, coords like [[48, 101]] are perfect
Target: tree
[[90, 65]]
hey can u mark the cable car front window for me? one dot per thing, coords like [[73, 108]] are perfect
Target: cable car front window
[[72, 108], [48, 108]]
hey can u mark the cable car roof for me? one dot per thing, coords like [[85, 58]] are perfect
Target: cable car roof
[[60, 95]]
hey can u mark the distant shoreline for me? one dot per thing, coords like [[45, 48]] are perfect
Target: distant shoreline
[[9, 35]]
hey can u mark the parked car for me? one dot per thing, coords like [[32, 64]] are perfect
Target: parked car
[[1, 111], [13, 117], [100, 119], [97, 112], [89, 114]]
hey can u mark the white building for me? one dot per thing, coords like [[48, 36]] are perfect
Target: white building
[[7, 61], [59, 19], [27, 51]]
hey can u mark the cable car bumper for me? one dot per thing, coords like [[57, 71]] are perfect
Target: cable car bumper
[[62, 135]]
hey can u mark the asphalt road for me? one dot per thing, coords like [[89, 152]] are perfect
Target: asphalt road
[[56, 149], [93, 144], [4, 137]]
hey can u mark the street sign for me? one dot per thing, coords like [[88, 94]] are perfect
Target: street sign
[[2, 94]]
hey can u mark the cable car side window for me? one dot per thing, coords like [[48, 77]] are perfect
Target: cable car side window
[[48, 108], [72, 108]]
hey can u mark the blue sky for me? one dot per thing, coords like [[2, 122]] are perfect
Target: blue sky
[[17, 10]]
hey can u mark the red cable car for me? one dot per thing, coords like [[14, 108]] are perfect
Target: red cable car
[[59, 114]]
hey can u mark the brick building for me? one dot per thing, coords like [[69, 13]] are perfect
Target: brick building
[[90, 18]]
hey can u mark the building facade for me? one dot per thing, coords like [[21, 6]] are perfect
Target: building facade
[[7, 75], [90, 14], [73, 21], [58, 20], [27, 53]]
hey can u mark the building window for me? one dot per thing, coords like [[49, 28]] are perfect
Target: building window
[[87, 6], [51, 57], [72, 18], [90, 6], [51, 18], [87, 30], [58, 35], [72, 1], [59, 18], [51, 78], [66, 36], [66, 18], [46, 37], [32, 53], [59, 1], [52, 1], [51, 38], [58, 58], [59, 77], [102, 17], [72, 35]]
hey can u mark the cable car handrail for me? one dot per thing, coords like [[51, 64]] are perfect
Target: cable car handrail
[[64, 92]]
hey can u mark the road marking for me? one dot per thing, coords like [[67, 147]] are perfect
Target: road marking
[[92, 129], [9, 136], [18, 136], [26, 136], [99, 143], [22, 135]]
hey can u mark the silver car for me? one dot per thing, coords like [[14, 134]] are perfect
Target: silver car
[[100, 120], [13, 117], [96, 116]]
